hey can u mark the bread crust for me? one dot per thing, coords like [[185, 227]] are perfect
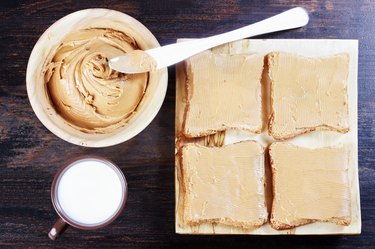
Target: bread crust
[[304, 130]]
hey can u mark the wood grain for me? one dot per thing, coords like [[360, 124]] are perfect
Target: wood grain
[[30, 154]]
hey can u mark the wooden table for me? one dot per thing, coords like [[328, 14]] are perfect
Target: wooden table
[[30, 155]]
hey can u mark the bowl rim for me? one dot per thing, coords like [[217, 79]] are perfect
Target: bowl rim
[[117, 137]]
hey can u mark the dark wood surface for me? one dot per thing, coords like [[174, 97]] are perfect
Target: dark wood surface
[[30, 155]]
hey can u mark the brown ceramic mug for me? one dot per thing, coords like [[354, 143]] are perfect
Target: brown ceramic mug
[[88, 192]]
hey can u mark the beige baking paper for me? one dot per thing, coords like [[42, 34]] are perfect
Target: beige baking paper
[[310, 48]]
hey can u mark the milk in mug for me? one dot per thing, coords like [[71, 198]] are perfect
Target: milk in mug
[[90, 192]]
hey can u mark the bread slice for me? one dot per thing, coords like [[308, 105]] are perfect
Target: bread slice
[[224, 185], [223, 92], [307, 94], [309, 185]]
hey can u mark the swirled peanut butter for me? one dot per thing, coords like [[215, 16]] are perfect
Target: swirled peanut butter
[[84, 90]]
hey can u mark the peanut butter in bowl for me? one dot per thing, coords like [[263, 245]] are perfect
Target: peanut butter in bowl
[[84, 89], [75, 93]]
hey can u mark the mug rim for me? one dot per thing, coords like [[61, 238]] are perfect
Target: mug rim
[[59, 209]]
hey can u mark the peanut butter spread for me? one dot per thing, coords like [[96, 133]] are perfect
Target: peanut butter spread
[[224, 185], [309, 185], [84, 90], [223, 92], [136, 61], [308, 94]]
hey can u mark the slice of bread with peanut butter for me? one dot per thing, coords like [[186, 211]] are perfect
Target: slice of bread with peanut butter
[[223, 92], [307, 94], [224, 185], [309, 185]]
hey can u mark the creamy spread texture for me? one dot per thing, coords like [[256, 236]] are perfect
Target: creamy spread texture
[[224, 185], [309, 185], [223, 92], [84, 90], [136, 61], [308, 94]]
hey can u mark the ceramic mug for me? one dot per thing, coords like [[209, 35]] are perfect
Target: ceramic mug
[[88, 192]]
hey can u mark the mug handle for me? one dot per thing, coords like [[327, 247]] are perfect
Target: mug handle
[[57, 229]]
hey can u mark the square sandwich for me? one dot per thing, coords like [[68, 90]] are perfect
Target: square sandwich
[[307, 94], [309, 185], [223, 92], [224, 185]]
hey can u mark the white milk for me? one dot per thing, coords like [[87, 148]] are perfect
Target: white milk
[[90, 192]]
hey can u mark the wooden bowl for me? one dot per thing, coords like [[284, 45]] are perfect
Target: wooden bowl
[[51, 39]]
